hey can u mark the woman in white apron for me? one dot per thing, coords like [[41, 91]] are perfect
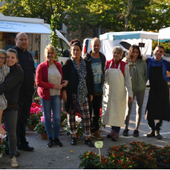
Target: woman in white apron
[[117, 79]]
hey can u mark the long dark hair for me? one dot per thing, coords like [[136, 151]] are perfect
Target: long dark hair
[[132, 47]]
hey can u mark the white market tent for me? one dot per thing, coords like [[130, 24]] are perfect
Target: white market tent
[[164, 33], [129, 35], [125, 39]]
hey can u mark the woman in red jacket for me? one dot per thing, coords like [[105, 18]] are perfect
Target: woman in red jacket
[[49, 80]]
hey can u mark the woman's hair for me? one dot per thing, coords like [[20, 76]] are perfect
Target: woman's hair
[[49, 47], [3, 52], [11, 50], [132, 47], [118, 48], [76, 42]]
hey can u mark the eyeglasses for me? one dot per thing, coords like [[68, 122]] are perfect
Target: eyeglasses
[[3, 58]]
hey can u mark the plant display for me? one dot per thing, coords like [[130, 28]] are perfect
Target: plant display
[[35, 114], [78, 125], [138, 156], [40, 127], [89, 160]]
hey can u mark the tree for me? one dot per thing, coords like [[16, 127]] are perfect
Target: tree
[[34, 8]]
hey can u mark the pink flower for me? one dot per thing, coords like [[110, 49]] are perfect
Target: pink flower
[[42, 119]]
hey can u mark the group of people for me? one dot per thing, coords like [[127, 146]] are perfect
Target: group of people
[[16, 89], [85, 85]]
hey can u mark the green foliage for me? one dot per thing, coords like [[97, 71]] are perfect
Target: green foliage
[[54, 38], [40, 127], [89, 160], [139, 156], [87, 15]]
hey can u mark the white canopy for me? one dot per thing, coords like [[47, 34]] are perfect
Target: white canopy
[[23, 24], [164, 33], [129, 35], [23, 27]]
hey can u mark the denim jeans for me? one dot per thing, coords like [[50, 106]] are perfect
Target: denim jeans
[[10, 118], [53, 104]]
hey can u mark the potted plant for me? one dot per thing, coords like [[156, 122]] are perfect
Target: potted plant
[[35, 114], [90, 160], [40, 128], [79, 126]]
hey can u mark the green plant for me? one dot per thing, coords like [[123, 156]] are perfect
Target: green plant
[[40, 127], [118, 159], [143, 154], [138, 156], [54, 38], [63, 116], [79, 126], [90, 160]]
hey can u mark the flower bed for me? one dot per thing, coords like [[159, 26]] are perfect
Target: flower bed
[[138, 156]]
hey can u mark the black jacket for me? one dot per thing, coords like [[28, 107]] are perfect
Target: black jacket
[[103, 61], [27, 63], [70, 74], [11, 86]]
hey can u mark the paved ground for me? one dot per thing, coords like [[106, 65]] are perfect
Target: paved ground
[[67, 156]]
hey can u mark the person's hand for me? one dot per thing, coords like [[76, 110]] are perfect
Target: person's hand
[[130, 99], [91, 97], [65, 82], [59, 87], [64, 95]]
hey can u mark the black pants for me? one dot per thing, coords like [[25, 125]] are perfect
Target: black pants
[[96, 105], [152, 125], [23, 115]]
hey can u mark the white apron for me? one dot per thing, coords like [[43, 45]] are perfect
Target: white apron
[[114, 97]]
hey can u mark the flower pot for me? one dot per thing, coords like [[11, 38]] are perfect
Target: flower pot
[[31, 127], [43, 136]]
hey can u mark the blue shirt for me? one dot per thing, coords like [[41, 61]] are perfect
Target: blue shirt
[[165, 66], [97, 73]]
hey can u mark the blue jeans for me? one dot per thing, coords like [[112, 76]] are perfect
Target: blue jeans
[[53, 104]]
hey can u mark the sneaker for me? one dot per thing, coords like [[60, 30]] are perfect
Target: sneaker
[[125, 132], [50, 142], [97, 135], [136, 133], [115, 137], [157, 135], [89, 142], [57, 142], [151, 134], [13, 162], [110, 134]]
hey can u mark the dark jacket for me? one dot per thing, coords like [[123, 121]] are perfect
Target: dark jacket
[[70, 74], [11, 86], [27, 63], [103, 61]]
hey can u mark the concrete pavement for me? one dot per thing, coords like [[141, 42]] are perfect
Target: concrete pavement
[[66, 157]]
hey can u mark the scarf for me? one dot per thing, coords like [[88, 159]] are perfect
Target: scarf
[[82, 87]]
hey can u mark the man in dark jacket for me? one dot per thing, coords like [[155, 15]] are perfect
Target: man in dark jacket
[[27, 89], [97, 61]]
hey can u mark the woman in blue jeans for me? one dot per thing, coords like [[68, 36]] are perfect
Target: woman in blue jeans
[[49, 80]]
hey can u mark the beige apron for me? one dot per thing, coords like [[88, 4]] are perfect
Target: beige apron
[[114, 97]]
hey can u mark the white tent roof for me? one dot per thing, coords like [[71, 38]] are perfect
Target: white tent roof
[[129, 35], [23, 24], [164, 33]]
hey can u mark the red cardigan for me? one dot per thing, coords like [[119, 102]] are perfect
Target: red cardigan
[[122, 65], [42, 79]]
